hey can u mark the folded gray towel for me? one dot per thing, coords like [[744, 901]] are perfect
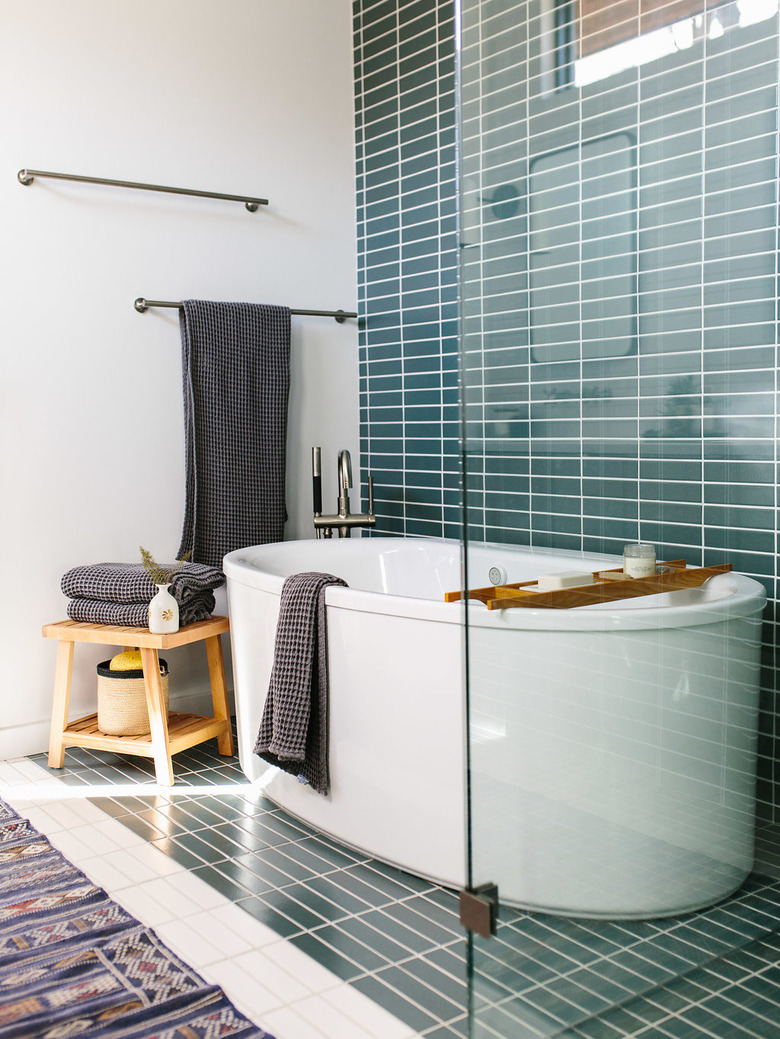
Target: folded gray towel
[[136, 614], [294, 728], [236, 377], [129, 582]]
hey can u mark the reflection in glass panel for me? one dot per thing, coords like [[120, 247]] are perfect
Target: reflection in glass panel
[[582, 232]]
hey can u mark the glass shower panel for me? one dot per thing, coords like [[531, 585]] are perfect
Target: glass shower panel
[[618, 265]]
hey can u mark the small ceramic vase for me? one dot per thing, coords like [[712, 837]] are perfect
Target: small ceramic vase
[[163, 612]]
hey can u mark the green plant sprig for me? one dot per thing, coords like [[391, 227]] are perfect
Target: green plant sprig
[[160, 574]]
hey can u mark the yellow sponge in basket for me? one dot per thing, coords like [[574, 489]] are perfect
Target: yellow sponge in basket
[[130, 660]]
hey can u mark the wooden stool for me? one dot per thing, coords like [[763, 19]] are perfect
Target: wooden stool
[[182, 730]]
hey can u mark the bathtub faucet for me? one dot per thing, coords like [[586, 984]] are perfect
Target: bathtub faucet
[[343, 521], [345, 482]]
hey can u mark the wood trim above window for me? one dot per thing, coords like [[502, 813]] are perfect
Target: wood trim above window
[[603, 24]]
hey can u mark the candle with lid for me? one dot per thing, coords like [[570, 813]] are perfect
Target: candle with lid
[[639, 560]]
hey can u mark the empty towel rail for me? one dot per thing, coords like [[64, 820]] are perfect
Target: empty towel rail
[[26, 177]]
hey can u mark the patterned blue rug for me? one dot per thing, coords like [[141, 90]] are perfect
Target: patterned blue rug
[[74, 963]]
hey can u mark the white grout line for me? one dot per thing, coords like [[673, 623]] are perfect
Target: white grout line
[[270, 981]]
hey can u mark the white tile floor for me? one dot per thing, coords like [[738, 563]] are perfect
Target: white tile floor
[[268, 979]]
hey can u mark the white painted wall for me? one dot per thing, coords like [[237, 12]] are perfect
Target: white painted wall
[[251, 97]]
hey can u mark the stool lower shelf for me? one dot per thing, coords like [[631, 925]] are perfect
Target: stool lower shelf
[[184, 731]]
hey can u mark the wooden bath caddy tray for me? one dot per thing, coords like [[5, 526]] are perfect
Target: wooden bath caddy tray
[[610, 586]]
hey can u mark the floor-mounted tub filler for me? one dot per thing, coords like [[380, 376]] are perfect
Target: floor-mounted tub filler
[[612, 747]]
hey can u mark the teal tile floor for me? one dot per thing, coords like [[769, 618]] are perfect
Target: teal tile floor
[[397, 939]]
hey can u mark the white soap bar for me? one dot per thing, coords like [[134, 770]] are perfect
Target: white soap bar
[[563, 579]]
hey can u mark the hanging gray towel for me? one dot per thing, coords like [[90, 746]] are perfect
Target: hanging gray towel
[[236, 377], [294, 728], [130, 583]]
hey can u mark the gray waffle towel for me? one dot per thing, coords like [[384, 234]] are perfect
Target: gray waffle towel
[[236, 376], [130, 583], [294, 728], [136, 614]]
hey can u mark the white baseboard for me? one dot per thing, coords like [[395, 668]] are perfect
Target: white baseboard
[[194, 703], [20, 740]]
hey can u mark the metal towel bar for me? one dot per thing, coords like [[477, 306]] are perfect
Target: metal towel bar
[[26, 177], [341, 316]]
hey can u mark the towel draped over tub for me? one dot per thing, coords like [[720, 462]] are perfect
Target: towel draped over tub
[[294, 729]]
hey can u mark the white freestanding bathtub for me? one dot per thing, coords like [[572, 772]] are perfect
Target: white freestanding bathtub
[[612, 748]]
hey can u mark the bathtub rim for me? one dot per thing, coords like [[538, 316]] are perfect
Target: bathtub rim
[[748, 598]]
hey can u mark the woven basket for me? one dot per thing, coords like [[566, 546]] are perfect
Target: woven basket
[[122, 709]]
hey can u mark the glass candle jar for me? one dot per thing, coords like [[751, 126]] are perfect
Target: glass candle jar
[[639, 560]]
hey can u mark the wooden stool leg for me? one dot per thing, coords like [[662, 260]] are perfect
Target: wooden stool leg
[[163, 766], [219, 693], [59, 710]]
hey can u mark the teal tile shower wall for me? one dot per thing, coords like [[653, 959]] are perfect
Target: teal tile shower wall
[[619, 247], [407, 263]]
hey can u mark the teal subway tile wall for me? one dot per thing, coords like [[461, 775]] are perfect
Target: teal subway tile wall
[[618, 287], [408, 263]]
